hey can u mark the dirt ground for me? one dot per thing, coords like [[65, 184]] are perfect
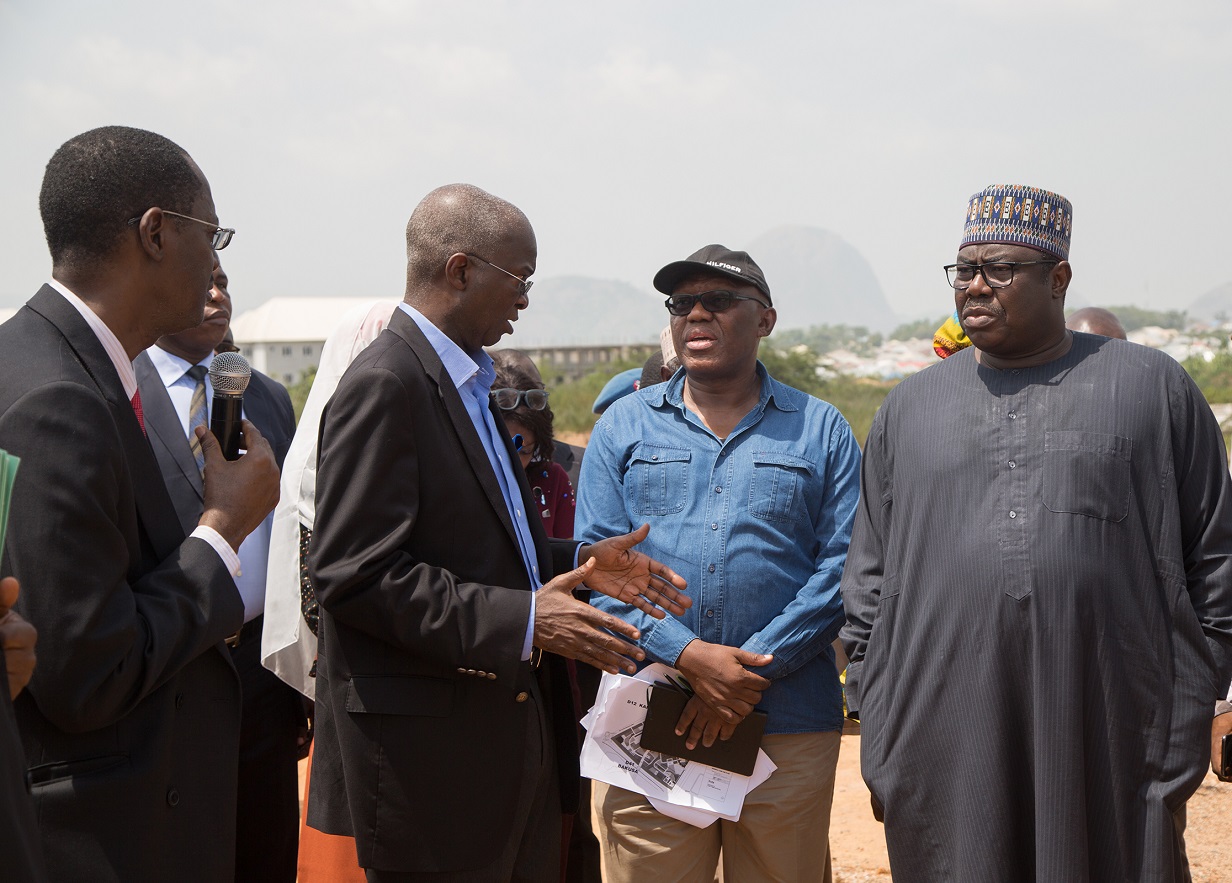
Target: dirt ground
[[857, 842]]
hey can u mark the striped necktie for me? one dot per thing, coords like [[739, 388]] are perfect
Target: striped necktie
[[197, 413]]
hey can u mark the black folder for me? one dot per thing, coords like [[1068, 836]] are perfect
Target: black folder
[[738, 754]]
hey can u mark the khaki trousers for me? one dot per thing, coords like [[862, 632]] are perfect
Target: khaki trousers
[[782, 835]]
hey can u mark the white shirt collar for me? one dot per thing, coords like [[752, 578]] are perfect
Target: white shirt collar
[[111, 343], [171, 367]]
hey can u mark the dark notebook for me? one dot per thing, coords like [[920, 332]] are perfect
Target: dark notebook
[[738, 754]]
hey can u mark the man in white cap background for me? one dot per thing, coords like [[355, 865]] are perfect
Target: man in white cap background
[[1039, 587]]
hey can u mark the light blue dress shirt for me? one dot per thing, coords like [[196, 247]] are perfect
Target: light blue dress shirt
[[757, 523], [473, 376], [254, 551]]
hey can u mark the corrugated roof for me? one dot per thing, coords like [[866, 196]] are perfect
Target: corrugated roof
[[292, 319]]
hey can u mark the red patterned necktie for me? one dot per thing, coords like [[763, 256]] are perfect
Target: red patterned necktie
[[137, 410]]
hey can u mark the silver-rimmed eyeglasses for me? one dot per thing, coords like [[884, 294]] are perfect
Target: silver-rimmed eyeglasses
[[523, 284], [222, 235]]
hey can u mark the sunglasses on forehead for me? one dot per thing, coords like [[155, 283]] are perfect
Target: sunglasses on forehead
[[507, 399]]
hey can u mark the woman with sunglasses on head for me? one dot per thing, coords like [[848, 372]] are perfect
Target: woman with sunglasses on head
[[524, 406]]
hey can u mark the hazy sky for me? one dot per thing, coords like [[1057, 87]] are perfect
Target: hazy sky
[[632, 133]]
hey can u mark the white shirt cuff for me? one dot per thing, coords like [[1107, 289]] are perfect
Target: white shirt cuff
[[254, 606], [528, 642]]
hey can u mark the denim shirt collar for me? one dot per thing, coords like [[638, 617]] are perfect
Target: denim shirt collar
[[774, 393]]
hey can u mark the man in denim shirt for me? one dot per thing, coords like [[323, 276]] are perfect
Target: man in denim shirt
[[750, 488]]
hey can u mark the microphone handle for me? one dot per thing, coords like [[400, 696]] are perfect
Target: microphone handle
[[225, 424]]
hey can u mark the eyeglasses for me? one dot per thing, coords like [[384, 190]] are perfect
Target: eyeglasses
[[507, 399], [222, 235], [523, 284], [998, 274], [712, 302]]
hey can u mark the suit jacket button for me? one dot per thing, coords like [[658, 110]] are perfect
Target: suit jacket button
[[521, 697], [482, 674], [461, 671], [173, 797], [470, 671], [491, 676]]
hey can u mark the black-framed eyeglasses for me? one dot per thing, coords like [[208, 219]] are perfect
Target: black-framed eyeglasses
[[222, 235], [998, 274], [507, 399], [523, 284], [712, 302]]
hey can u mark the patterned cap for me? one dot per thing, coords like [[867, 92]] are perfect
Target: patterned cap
[[1015, 214]]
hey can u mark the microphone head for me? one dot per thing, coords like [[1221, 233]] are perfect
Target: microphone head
[[229, 374]]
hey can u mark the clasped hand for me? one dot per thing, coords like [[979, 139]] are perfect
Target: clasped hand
[[725, 692]]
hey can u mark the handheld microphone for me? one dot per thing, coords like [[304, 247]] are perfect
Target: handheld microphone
[[229, 375]]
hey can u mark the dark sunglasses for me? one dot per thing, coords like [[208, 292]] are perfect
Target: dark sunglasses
[[712, 302], [508, 399]]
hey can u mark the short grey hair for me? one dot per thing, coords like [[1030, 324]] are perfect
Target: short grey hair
[[456, 218]]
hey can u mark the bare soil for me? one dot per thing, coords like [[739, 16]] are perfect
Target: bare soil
[[857, 840]]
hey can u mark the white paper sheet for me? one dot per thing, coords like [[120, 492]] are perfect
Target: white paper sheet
[[692, 792]]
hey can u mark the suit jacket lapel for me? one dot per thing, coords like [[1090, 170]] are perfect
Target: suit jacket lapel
[[404, 326], [154, 509], [165, 430]]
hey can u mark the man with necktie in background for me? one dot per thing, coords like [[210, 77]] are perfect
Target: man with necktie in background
[[173, 376]]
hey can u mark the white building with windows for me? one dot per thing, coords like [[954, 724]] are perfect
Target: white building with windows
[[283, 337]]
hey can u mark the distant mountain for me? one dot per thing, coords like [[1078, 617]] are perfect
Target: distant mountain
[[816, 279], [580, 310], [819, 279], [1216, 301]]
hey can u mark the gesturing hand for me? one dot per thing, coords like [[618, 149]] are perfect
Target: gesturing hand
[[568, 627], [634, 577], [718, 676]]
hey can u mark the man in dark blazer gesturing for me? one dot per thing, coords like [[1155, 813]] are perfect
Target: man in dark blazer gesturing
[[131, 722], [176, 392], [446, 742]]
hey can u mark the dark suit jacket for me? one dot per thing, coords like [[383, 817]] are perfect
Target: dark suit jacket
[[21, 853], [267, 822], [422, 710], [131, 722]]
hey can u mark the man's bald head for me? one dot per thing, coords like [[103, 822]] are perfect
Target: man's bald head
[[1096, 320], [452, 219]]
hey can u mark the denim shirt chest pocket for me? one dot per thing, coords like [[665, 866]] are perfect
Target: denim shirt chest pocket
[[658, 479], [1087, 473], [777, 490]]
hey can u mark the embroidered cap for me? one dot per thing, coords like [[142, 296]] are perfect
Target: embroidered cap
[[1015, 214], [713, 259]]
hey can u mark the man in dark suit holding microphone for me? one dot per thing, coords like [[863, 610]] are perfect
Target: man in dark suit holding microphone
[[131, 722], [176, 394]]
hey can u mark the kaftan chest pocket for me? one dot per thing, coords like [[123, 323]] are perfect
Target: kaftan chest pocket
[[657, 481], [1087, 473], [776, 492]]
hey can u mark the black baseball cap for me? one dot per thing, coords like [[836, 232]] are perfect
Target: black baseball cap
[[713, 259]]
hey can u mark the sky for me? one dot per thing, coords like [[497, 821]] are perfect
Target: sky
[[633, 133]]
